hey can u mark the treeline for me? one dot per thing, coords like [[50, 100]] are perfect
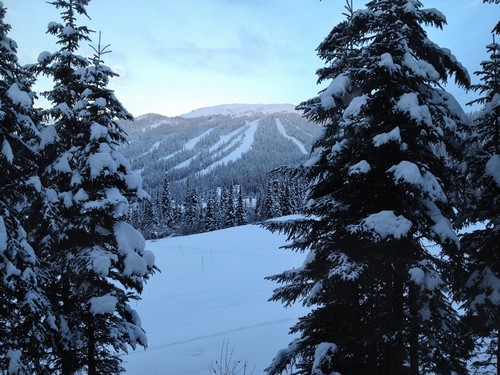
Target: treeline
[[217, 208]]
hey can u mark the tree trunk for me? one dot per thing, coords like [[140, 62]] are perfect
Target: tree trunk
[[66, 363], [413, 340], [394, 290], [91, 360]]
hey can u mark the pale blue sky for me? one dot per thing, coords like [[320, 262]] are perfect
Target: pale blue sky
[[176, 56]]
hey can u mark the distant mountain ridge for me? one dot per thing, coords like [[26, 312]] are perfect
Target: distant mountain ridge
[[216, 146], [241, 110]]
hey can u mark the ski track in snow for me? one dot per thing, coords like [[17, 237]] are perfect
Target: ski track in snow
[[282, 130], [221, 334], [236, 154]]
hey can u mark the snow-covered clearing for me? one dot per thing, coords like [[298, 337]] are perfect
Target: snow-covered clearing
[[154, 147], [244, 147], [193, 142], [225, 139], [282, 130], [170, 156], [212, 289], [156, 124], [186, 163]]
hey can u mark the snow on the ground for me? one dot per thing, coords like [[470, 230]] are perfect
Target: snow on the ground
[[156, 124], [224, 139], [186, 163], [155, 146], [282, 130], [193, 142], [170, 156], [244, 147], [240, 110], [212, 290]]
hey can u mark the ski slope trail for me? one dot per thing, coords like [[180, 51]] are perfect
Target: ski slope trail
[[244, 146], [283, 132], [212, 290]]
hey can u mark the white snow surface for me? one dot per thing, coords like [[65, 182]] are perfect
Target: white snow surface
[[240, 110], [421, 67], [193, 142], [355, 107], [244, 147], [492, 168], [225, 139], [18, 96], [339, 87], [283, 132], [323, 353], [131, 244], [409, 103], [393, 136], [384, 224], [410, 173], [425, 276], [387, 61], [359, 168], [7, 151], [155, 125], [211, 290], [103, 305], [3, 235]]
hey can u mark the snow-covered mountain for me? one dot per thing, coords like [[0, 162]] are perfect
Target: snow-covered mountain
[[212, 291], [220, 145], [241, 110]]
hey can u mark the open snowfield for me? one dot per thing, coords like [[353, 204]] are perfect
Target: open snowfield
[[212, 290]]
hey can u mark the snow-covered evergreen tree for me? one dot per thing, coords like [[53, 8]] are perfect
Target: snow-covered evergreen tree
[[99, 262], [479, 287], [24, 309], [496, 29], [240, 214], [285, 199], [377, 196], [211, 210], [229, 213], [150, 222], [269, 207], [191, 220], [166, 204]]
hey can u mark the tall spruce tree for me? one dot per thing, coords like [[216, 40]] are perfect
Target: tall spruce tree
[[479, 287], [24, 309], [229, 213], [191, 220], [99, 262], [377, 197], [240, 212], [210, 219], [166, 204]]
